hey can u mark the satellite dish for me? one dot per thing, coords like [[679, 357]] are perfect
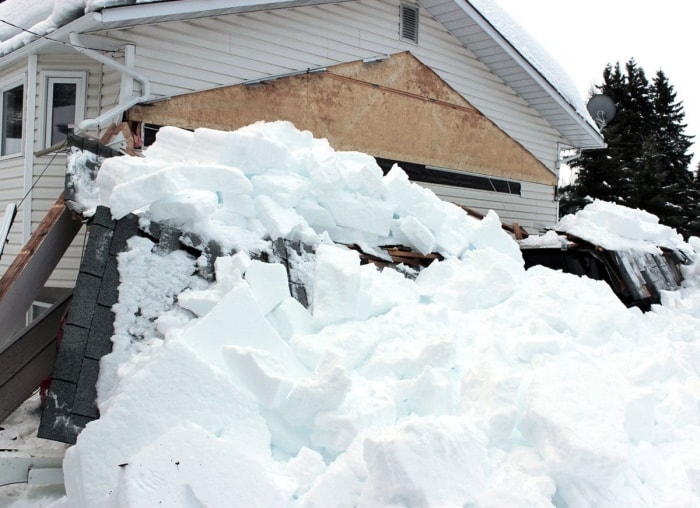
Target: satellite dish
[[602, 109]]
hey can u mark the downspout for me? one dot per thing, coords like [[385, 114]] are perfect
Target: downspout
[[29, 139], [96, 123]]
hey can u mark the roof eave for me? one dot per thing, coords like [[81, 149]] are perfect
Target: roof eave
[[120, 16], [58, 36], [595, 139]]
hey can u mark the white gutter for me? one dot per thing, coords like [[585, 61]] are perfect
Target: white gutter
[[144, 12], [96, 123]]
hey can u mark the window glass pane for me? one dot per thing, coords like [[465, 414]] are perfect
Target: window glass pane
[[12, 120], [63, 97]]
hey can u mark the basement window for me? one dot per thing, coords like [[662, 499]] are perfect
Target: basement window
[[12, 114], [64, 95], [409, 22]]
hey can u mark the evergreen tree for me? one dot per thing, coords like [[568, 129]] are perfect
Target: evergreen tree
[[645, 164]]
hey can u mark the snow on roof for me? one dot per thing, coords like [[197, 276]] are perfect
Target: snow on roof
[[534, 53], [25, 20]]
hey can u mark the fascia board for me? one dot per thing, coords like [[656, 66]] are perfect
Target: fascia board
[[525, 64], [188, 9], [59, 36]]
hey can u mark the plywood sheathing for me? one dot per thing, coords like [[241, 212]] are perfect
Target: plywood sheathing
[[395, 109]]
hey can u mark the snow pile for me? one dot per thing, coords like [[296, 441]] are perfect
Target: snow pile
[[18, 439], [616, 227], [271, 180], [475, 384]]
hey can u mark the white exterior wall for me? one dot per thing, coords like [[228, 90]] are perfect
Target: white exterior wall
[[185, 56], [50, 185], [533, 209], [12, 180]]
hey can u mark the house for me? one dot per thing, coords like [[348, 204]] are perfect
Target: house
[[450, 89]]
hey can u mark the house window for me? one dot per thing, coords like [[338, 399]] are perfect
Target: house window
[[409, 22], [12, 112], [65, 104]]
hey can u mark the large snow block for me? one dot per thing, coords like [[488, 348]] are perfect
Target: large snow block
[[185, 206], [120, 169], [290, 317], [142, 191], [172, 144], [356, 211], [426, 461], [283, 187], [278, 221], [252, 152], [237, 321], [268, 282], [263, 374], [336, 285], [419, 236], [176, 387], [163, 474]]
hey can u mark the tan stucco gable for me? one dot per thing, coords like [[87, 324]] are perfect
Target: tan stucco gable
[[397, 108]]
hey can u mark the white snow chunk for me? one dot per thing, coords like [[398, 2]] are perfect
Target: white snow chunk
[[172, 144], [169, 472], [210, 334], [268, 282], [142, 191], [290, 318], [336, 285]]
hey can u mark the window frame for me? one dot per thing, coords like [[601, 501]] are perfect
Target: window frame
[[6, 86], [48, 80]]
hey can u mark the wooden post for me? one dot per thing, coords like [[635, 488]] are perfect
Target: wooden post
[[28, 273]]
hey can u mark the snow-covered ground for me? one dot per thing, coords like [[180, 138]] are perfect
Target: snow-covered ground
[[472, 383], [18, 438]]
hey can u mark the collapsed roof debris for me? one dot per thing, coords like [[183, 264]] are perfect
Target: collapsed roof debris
[[467, 361]]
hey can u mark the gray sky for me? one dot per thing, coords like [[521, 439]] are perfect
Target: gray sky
[[584, 36]]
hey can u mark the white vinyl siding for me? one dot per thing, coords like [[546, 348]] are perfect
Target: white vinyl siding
[[12, 185], [11, 191], [53, 166], [210, 52], [534, 209]]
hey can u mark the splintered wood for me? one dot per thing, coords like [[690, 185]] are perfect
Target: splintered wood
[[399, 255]]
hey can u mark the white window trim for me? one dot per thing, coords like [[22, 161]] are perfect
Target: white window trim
[[7, 85], [47, 79]]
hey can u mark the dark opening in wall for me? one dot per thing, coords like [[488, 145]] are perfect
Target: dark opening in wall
[[425, 174]]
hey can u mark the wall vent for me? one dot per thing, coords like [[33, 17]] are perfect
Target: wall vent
[[409, 22]]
